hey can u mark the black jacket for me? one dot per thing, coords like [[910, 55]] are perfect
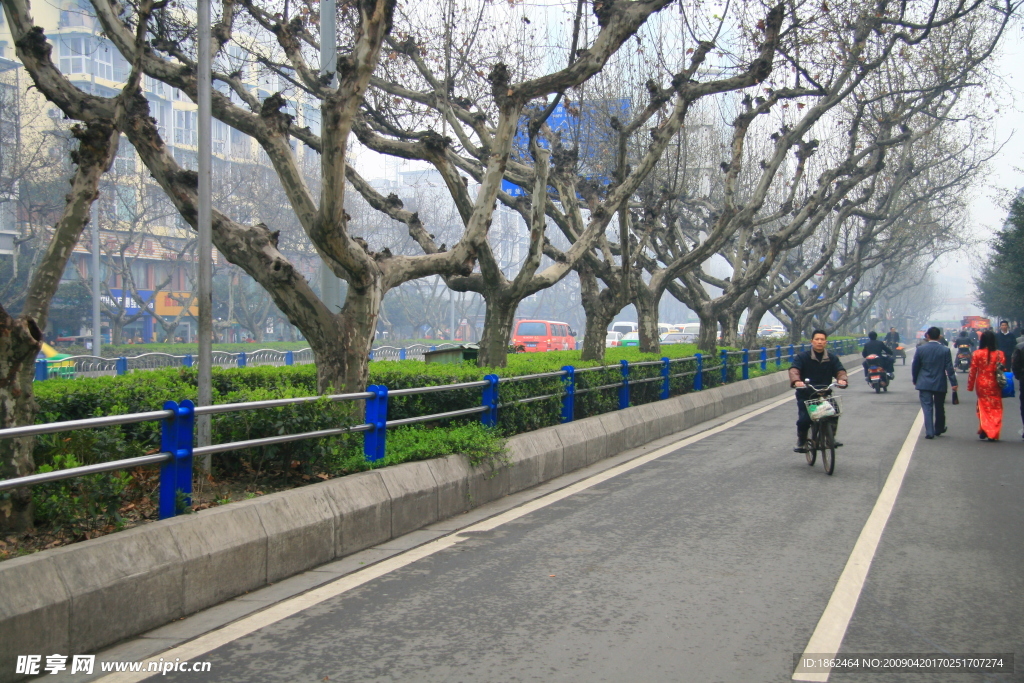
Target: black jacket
[[820, 371], [970, 340], [1017, 362], [876, 347]]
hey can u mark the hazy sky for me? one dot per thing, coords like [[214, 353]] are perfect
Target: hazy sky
[[1005, 174]]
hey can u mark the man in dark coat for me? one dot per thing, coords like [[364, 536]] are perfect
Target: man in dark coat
[[818, 366], [892, 338], [1005, 340], [873, 347], [932, 365], [1017, 366]]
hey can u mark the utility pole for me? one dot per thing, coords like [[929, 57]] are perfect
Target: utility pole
[[330, 285], [205, 227], [97, 334]]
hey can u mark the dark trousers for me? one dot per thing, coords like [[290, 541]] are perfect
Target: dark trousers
[[1020, 396], [803, 418], [934, 405]]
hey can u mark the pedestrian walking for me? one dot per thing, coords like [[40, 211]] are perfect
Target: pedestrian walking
[[985, 363], [1017, 367], [1006, 341], [932, 365]]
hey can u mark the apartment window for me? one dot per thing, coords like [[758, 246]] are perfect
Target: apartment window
[[160, 111], [73, 54], [158, 88], [239, 144], [125, 204], [121, 67], [220, 136], [125, 161], [102, 60], [184, 127], [76, 13]]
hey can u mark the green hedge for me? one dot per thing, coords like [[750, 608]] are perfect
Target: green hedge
[[94, 497]]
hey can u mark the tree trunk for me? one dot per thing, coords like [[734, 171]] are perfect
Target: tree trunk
[[647, 319], [730, 323], [19, 344], [341, 345], [499, 314], [754, 315], [600, 309], [599, 319], [707, 340]]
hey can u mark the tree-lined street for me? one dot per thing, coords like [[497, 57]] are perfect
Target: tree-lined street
[[713, 561]]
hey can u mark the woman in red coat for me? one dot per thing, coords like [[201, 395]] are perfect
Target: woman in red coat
[[990, 395]]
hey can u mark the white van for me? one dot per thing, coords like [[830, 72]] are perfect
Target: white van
[[625, 327]]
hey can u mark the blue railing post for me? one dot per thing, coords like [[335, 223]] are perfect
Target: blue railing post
[[790, 353], [489, 418], [725, 366], [433, 347], [803, 347], [698, 376], [176, 436], [624, 389], [401, 353], [665, 372], [242, 358], [289, 358], [764, 358], [778, 355], [374, 439], [121, 366], [569, 398], [746, 364], [187, 361], [41, 370], [371, 354]]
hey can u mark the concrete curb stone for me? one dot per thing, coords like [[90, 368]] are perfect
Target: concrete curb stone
[[413, 493], [534, 460], [35, 612], [364, 507]]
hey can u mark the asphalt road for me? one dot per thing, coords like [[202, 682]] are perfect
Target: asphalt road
[[713, 562]]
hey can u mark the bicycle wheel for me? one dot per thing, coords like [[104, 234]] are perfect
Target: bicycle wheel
[[828, 446], [812, 441]]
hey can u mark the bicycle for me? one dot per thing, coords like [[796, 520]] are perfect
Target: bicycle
[[824, 409]]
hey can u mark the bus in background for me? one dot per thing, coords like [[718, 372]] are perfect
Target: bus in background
[[543, 335]]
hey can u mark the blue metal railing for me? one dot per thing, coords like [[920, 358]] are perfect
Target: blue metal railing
[[178, 418], [97, 366]]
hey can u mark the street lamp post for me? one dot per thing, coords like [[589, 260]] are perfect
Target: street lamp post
[[205, 227]]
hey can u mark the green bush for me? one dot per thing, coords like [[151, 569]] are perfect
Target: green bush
[[597, 386]]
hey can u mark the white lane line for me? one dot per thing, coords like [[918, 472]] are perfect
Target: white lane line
[[192, 650], [831, 628]]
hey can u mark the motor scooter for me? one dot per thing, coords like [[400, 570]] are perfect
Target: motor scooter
[[875, 373], [963, 359]]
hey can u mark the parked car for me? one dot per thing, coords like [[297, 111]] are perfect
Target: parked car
[[678, 338], [544, 335], [623, 327], [613, 339], [631, 339]]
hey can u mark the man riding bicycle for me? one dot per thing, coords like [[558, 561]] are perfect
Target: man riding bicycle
[[819, 367]]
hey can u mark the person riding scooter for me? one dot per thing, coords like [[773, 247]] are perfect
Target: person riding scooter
[[874, 347], [965, 344]]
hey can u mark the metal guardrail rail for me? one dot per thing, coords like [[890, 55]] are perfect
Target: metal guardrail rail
[[178, 418], [97, 366]]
